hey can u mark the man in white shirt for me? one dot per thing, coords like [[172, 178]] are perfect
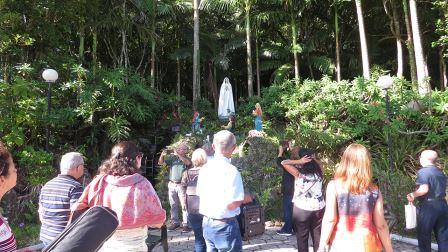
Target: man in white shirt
[[221, 193]]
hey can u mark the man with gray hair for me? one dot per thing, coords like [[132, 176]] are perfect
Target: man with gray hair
[[221, 193], [58, 195]]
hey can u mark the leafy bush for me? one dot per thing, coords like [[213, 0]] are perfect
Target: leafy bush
[[327, 116]]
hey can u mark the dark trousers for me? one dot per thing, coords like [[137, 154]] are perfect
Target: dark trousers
[[306, 222], [287, 213], [432, 216], [195, 221]]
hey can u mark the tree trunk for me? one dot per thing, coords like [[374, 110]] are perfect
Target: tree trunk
[[410, 43], [94, 51], [338, 56], [196, 67], [310, 67], [178, 78], [257, 58], [443, 73], [153, 44], [295, 48], [124, 56], [82, 37], [422, 74], [398, 38], [212, 84], [250, 84], [362, 37]]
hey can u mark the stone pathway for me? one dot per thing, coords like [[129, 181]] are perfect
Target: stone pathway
[[269, 241]]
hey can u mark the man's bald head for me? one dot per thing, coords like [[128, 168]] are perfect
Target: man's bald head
[[428, 157]]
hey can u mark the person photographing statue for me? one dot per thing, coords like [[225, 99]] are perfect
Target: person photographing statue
[[178, 162]]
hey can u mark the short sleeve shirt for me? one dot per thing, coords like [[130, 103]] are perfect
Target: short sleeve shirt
[[177, 167], [435, 179], [308, 193], [56, 198], [219, 184]]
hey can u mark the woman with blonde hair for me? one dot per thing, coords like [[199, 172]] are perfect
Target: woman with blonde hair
[[258, 113], [354, 214], [191, 199]]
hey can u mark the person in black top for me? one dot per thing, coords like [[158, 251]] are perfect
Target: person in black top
[[287, 187], [433, 209]]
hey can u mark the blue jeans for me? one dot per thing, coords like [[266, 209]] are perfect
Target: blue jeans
[[222, 235], [195, 221], [287, 213], [432, 216]]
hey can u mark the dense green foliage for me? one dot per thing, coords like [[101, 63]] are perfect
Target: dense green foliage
[[327, 116]]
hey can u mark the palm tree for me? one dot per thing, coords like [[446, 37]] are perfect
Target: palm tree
[[242, 7], [410, 42], [153, 9], [362, 37], [196, 73], [250, 76], [291, 5], [395, 29], [336, 4], [422, 69]]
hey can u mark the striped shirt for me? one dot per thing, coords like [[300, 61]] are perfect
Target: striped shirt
[[55, 200], [7, 240]]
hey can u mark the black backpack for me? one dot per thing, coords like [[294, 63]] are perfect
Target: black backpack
[[87, 233]]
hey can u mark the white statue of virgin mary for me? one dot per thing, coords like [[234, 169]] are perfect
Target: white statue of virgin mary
[[226, 106]]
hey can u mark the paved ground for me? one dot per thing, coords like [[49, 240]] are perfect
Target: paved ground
[[269, 241]]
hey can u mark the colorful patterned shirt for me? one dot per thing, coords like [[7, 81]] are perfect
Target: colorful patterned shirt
[[308, 193]]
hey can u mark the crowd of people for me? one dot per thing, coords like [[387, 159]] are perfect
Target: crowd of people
[[208, 191]]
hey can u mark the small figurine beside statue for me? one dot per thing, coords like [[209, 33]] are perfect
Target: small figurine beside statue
[[196, 123]]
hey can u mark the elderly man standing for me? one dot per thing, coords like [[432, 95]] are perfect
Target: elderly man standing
[[221, 191], [58, 195], [178, 162], [433, 214]]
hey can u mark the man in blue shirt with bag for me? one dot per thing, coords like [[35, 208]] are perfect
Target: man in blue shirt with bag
[[433, 209]]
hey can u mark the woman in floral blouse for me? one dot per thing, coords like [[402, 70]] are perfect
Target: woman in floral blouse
[[308, 199]]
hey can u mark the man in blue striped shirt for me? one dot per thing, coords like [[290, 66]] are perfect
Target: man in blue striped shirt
[[58, 195]]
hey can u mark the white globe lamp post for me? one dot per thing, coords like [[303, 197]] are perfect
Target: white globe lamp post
[[50, 76], [385, 83]]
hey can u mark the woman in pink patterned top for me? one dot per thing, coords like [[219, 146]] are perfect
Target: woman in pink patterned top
[[8, 179], [121, 188]]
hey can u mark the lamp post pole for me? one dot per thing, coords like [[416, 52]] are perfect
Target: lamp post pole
[[50, 76], [385, 83], [47, 135]]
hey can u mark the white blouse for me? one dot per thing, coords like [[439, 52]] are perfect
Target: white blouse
[[308, 192]]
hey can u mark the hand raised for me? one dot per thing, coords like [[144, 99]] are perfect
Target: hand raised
[[305, 159]]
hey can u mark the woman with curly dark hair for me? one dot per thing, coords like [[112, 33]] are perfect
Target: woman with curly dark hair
[[121, 188], [8, 179]]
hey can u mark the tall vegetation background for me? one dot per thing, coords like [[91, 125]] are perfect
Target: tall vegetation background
[[128, 67]]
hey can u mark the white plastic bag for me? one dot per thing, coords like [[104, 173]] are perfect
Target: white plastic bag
[[411, 216]]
